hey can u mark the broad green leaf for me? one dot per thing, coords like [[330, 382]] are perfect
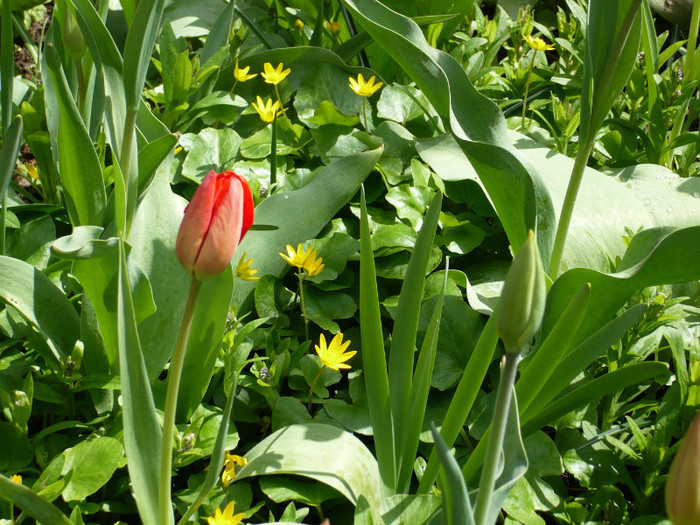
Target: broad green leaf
[[401, 103], [142, 431], [87, 467], [217, 37], [43, 304], [299, 216], [212, 149], [409, 508], [655, 256], [36, 506], [281, 489], [374, 358], [324, 453], [325, 83], [18, 450], [150, 157], [79, 167], [193, 18]]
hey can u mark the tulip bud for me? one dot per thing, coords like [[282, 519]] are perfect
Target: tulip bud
[[216, 219], [521, 307], [72, 36], [682, 492]]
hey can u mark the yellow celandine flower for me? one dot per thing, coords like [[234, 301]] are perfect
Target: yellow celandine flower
[[241, 75], [297, 257], [229, 472], [275, 75], [364, 88], [334, 355], [244, 271], [16, 478], [31, 171], [299, 24], [226, 517], [267, 110], [313, 265], [538, 44], [333, 27]]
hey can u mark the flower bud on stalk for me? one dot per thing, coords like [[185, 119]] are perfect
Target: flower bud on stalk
[[520, 310], [682, 492], [216, 219]]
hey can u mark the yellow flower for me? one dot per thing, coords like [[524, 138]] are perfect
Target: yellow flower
[[275, 76], [362, 88], [267, 110], [244, 271], [313, 266], [31, 171], [298, 257], [299, 24], [241, 75], [538, 44], [333, 27], [334, 356], [226, 517], [16, 478], [229, 472]]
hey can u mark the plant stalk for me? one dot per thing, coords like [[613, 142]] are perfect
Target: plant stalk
[[313, 385], [273, 155], [174, 375], [567, 208], [494, 449], [300, 274], [527, 89]]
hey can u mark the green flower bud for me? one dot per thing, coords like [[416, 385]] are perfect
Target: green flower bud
[[682, 492], [521, 307], [72, 36]]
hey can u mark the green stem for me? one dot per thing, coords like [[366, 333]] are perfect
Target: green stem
[[494, 449], [567, 209], [364, 113], [691, 46], [174, 374], [273, 155], [527, 89], [311, 388], [81, 86], [300, 274], [125, 164], [3, 220]]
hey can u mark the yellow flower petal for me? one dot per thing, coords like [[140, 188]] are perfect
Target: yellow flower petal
[[275, 75], [364, 88], [334, 355], [538, 44], [267, 110], [241, 75], [244, 271]]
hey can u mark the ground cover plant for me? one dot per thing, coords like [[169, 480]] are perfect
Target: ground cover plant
[[356, 261]]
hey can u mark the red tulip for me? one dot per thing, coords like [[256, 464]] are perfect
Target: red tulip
[[683, 483], [216, 219]]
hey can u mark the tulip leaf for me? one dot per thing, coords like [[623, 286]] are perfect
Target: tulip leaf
[[343, 462], [8, 154], [79, 167], [142, 431], [299, 216], [43, 304], [34, 505]]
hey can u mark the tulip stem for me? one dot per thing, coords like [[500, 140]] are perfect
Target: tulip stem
[[494, 448], [273, 155], [174, 375], [364, 113]]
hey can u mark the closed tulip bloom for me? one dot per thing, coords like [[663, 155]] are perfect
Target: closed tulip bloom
[[683, 483], [216, 219]]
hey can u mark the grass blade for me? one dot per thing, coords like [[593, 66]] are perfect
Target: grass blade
[[34, 505]]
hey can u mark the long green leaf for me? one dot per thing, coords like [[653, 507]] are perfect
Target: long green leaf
[[405, 397], [142, 432], [536, 371], [599, 387], [403, 342], [218, 35], [79, 166], [456, 504], [138, 49], [36, 506], [374, 358], [9, 152], [463, 398], [7, 65]]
